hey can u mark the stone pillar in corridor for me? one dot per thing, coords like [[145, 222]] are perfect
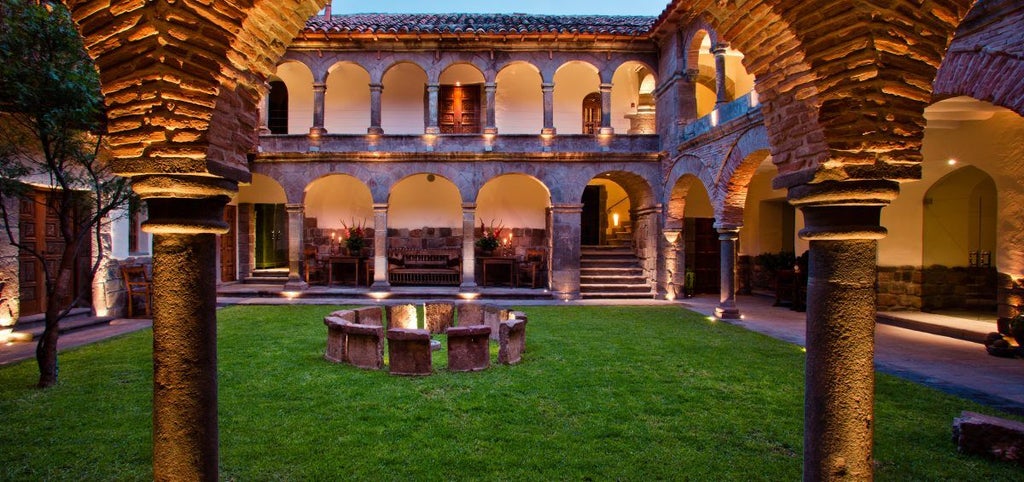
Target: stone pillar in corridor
[[727, 236], [565, 257], [606, 110], [380, 246], [490, 126], [841, 222], [468, 246], [319, 92], [647, 240], [548, 92], [296, 229], [688, 96], [185, 215], [671, 267], [432, 109], [264, 128], [246, 239], [375, 92], [719, 50]]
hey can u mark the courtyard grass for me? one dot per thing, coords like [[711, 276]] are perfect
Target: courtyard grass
[[603, 393]]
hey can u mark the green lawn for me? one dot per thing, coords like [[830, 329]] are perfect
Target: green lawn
[[603, 393]]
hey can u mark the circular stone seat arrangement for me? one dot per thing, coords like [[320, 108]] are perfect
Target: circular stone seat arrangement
[[356, 336]]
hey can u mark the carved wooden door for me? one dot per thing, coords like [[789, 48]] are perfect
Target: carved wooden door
[[592, 113], [459, 111]]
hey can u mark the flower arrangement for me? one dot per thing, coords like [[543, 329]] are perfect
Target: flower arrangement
[[490, 237], [354, 236]]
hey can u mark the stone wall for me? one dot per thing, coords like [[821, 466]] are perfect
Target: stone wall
[[902, 288], [9, 286]]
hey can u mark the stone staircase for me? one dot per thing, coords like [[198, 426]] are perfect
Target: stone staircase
[[269, 276], [612, 272], [622, 235]]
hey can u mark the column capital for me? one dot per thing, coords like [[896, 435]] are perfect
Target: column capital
[[567, 207], [184, 204], [469, 206], [490, 85], [294, 207], [720, 48], [376, 86], [380, 208], [433, 87], [319, 86], [843, 210], [691, 75], [605, 87], [547, 87]]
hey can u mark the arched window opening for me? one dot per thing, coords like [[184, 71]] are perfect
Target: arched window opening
[[592, 113], [277, 115]]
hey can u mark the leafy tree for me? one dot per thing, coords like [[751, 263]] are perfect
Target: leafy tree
[[51, 117]]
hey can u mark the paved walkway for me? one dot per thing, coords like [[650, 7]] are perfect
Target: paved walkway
[[953, 365]]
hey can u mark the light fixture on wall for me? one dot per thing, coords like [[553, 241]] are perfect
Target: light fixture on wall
[[430, 178], [615, 219], [951, 161]]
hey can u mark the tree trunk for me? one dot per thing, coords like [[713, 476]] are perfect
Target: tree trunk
[[46, 349]]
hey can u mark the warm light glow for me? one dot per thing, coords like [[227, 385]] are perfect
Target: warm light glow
[[714, 118], [951, 162], [469, 296], [100, 312], [670, 296], [379, 295], [5, 334], [615, 219], [546, 136], [291, 295], [754, 99], [671, 235]]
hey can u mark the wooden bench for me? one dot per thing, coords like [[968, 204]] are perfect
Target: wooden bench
[[425, 267]]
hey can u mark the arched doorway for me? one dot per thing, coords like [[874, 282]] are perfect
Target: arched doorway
[[263, 219], [277, 108], [460, 100], [520, 204], [425, 233], [691, 211], [592, 113], [338, 211]]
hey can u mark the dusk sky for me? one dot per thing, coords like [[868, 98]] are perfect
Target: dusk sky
[[554, 7]]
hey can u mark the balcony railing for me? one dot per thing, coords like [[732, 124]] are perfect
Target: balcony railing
[[722, 114], [616, 143]]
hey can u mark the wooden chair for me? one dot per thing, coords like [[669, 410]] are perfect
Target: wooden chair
[[137, 285], [312, 265], [533, 268]]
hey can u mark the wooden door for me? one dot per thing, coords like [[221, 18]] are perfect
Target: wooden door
[[271, 242], [228, 243], [31, 223], [702, 254], [592, 113], [459, 111]]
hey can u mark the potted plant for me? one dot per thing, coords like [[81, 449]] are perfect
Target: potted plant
[[489, 238], [354, 237]]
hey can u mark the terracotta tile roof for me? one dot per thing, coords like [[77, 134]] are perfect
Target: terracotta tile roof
[[494, 24]]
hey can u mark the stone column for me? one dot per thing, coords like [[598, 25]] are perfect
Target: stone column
[[380, 246], [671, 267], [319, 89], [565, 255], [727, 236], [468, 245], [185, 215], [490, 126], [264, 128], [839, 394], [432, 109], [375, 92], [719, 51], [688, 96], [295, 236], [606, 110], [548, 91]]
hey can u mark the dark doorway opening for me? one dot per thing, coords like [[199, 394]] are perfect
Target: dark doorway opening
[[271, 241], [592, 220]]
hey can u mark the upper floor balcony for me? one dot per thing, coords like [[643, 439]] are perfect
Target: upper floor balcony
[[463, 143]]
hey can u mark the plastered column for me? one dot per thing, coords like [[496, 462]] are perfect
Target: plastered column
[[548, 92], [726, 309], [432, 109], [719, 50], [490, 126], [380, 246], [319, 91], [185, 215], [468, 244], [375, 92], [565, 255], [606, 109], [839, 394], [295, 235]]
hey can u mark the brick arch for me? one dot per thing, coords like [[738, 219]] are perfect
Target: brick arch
[[333, 66], [653, 71], [824, 97], [442, 70], [692, 37], [986, 59], [532, 177], [675, 210], [745, 154], [387, 68], [182, 82]]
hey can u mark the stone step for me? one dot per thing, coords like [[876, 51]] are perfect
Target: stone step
[[612, 279], [26, 331], [259, 280], [614, 295], [615, 288], [611, 263], [631, 272]]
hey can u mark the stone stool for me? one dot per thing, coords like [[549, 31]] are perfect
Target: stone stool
[[469, 348], [512, 341], [370, 315], [437, 317], [364, 345], [409, 352], [336, 339], [402, 316]]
